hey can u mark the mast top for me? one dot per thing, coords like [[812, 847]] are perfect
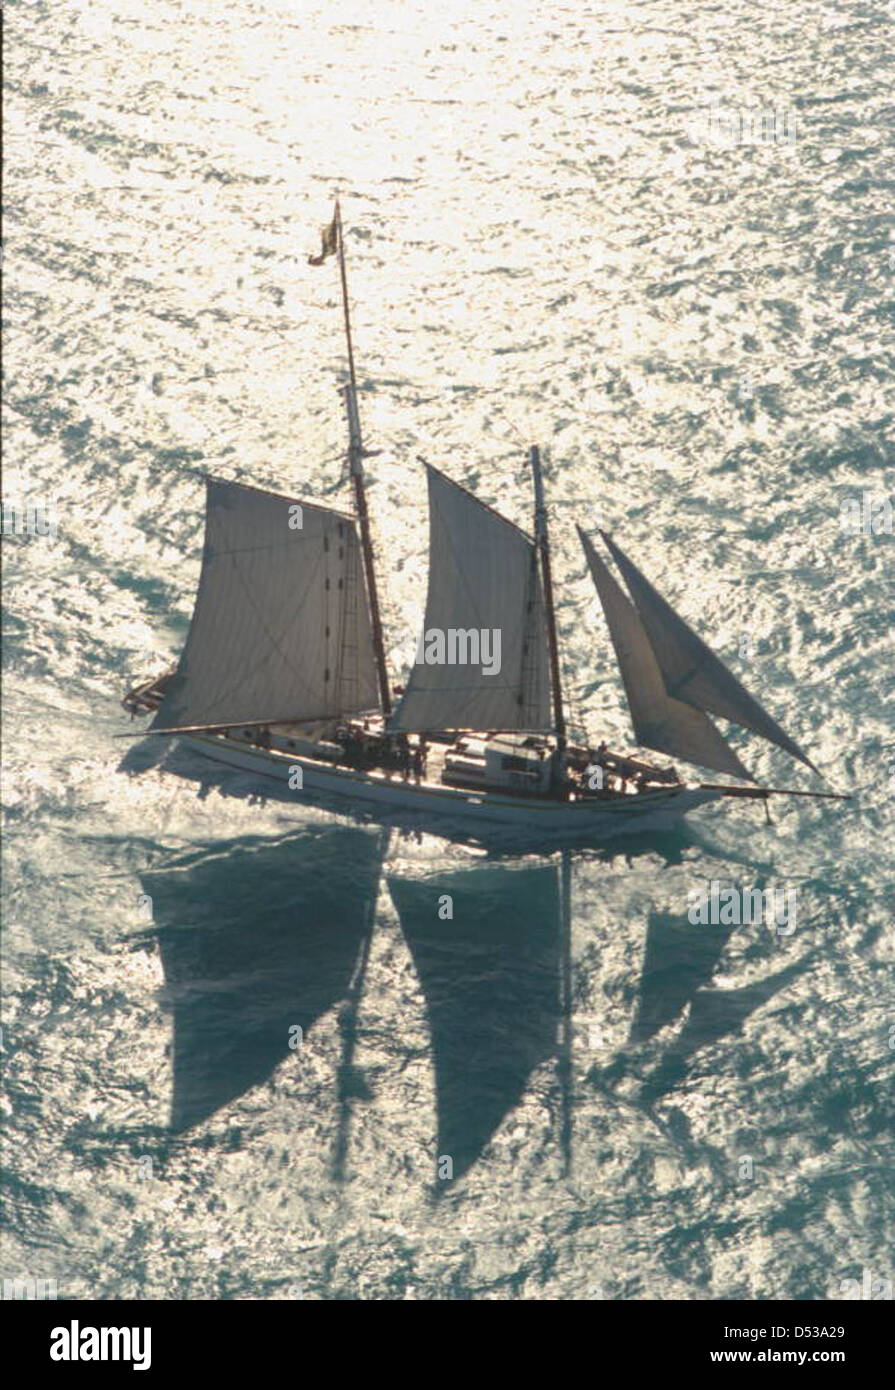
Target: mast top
[[337, 219], [333, 244], [542, 540]]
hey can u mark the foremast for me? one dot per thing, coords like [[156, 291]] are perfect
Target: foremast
[[542, 541], [356, 464]]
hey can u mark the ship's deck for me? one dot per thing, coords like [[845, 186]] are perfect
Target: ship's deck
[[317, 741]]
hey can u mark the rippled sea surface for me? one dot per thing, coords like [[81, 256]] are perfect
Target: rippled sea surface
[[548, 242]]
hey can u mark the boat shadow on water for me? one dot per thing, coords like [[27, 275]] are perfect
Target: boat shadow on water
[[491, 977], [262, 936], [675, 991], [254, 942]]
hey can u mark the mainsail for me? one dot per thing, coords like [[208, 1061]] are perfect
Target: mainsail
[[281, 627], [691, 671], [483, 578], [660, 721]]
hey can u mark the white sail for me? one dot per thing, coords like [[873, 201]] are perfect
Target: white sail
[[660, 722], [281, 628], [483, 580], [691, 670]]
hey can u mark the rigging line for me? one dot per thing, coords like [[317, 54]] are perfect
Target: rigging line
[[520, 438]]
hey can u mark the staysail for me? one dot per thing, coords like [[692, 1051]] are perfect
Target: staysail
[[691, 671], [483, 661], [281, 628], [660, 721]]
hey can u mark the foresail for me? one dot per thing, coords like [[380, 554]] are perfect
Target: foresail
[[660, 722], [281, 627], [483, 660], [691, 670]]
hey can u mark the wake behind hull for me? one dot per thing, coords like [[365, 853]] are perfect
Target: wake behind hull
[[439, 808]]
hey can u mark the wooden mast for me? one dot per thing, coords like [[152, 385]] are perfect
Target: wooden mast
[[542, 540], [355, 458]]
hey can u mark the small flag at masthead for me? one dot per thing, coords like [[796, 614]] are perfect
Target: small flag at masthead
[[329, 240]]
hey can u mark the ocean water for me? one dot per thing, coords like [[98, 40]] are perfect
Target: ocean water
[[240, 1042]]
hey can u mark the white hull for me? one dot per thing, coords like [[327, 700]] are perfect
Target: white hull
[[375, 792]]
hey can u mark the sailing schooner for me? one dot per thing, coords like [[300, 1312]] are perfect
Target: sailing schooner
[[284, 670]]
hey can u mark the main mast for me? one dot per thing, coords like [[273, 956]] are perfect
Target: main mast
[[355, 459], [542, 540]]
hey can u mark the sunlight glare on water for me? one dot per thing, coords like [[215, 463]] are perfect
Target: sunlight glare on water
[[546, 243]]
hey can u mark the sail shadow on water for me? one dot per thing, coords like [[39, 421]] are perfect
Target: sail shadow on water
[[491, 978], [254, 941], [714, 1014], [677, 961], [675, 983]]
